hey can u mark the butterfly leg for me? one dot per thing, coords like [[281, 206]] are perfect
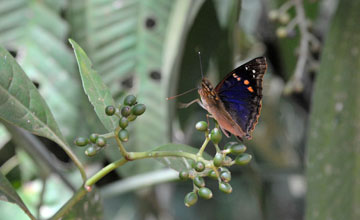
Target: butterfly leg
[[185, 105], [227, 134], [240, 139], [207, 119]]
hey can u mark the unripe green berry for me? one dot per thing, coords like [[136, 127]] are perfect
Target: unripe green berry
[[199, 166], [184, 175], [125, 111], [130, 100], [190, 199], [138, 109], [123, 135], [205, 193], [238, 149], [225, 176], [81, 141], [110, 110], [243, 159], [225, 187], [218, 159], [131, 117], [93, 138], [201, 126], [229, 145], [215, 135], [199, 181], [123, 122], [212, 174], [91, 151], [101, 141]]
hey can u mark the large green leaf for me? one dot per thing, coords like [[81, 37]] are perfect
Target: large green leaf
[[44, 56], [97, 92], [333, 168], [22, 105], [8, 194]]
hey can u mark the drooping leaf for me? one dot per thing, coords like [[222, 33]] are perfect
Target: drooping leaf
[[8, 194], [22, 105], [20, 102], [41, 51], [333, 168], [98, 93], [178, 163]]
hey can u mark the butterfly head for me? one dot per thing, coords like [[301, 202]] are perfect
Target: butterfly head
[[206, 91]]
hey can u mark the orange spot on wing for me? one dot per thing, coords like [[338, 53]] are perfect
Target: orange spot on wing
[[250, 89], [238, 79], [246, 82]]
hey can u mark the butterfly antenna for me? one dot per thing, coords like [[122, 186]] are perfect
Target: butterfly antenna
[[201, 70], [175, 96]]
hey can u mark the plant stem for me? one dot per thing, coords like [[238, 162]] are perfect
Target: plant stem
[[155, 154], [108, 135], [73, 157], [217, 148], [207, 139], [122, 149], [112, 166]]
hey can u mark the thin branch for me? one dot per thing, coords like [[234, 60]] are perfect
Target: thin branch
[[285, 7], [296, 82], [304, 43]]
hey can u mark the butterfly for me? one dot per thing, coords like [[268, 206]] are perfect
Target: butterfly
[[235, 103]]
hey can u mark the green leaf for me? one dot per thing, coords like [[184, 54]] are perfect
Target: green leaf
[[45, 58], [178, 163], [20, 102], [333, 168], [89, 207], [98, 93], [22, 105], [8, 194]]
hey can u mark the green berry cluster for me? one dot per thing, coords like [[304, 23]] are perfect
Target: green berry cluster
[[232, 154], [126, 113]]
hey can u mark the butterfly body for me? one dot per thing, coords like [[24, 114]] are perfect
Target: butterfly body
[[235, 102], [211, 101]]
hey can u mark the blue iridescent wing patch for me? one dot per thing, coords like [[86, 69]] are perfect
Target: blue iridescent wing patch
[[241, 93]]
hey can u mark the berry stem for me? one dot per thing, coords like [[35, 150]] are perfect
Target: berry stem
[[217, 148], [119, 143], [108, 135], [104, 171], [206, 141]]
